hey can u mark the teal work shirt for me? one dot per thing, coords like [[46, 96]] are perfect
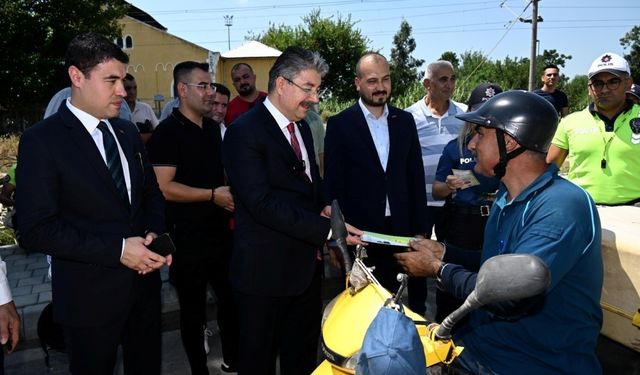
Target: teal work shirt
[[557, 221]]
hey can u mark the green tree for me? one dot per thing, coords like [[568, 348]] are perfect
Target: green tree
[[336, 39], [34, 39], [552, 56], [451, 57], [278, 36], [404, 67], [512, 73], [631, 41], [474, 69], [576, 90]]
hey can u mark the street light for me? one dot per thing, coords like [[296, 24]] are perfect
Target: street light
[[228, 22]]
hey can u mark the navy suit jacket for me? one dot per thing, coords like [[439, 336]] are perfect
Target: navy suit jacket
[[355, 177], [278, 224], [68, 207]]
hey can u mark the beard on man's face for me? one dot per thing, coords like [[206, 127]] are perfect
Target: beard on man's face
[[374, 101], [246, 89]]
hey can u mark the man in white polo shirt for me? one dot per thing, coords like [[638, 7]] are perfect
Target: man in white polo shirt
[[437, 125]]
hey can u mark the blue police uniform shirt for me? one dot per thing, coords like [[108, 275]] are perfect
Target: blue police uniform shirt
[[451, 159], [557, 221]]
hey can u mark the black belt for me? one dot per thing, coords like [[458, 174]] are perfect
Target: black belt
[[469, 210]]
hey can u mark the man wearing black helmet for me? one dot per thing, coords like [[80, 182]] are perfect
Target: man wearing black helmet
[[534, 213]]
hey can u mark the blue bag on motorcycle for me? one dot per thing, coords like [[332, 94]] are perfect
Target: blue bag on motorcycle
[[391, 346]]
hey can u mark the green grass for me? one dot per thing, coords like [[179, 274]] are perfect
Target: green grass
[[7, 236]]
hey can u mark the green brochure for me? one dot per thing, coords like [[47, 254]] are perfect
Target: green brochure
[[385, 239]]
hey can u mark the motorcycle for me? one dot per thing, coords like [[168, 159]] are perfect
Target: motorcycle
[[348, 316]]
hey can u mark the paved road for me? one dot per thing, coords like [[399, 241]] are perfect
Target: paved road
[[174, 360], [31, 288]]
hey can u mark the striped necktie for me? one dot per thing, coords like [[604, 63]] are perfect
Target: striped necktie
[[296, 149], [113, 160]]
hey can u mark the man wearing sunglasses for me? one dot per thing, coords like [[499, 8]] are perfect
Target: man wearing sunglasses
[[603, 140]]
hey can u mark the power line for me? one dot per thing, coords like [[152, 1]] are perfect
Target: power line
[[509, 27], [237, 9]]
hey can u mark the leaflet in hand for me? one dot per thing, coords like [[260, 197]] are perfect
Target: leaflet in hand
[[467, 176], [385, 239]]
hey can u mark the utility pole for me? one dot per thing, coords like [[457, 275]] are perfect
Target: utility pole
[[228, 22], [534, 40]]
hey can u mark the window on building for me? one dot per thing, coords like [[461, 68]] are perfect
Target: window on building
[[128, 42]]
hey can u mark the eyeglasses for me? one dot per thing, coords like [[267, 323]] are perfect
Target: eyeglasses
[[309, 91], [611, 84], [202, 86]]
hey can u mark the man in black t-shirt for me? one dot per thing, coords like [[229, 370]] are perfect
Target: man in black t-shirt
[[550, 78], [185, 152]]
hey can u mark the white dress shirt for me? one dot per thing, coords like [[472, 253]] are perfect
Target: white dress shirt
[[91, 124], [283, 122], [379, 129]]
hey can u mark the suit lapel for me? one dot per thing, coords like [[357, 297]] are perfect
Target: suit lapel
[[307, 138], [394, 137], [364, 134], [278, 137], [88, 150], [133, 160]]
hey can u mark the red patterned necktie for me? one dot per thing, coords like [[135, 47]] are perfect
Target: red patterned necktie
[[294, 140], [296, 148]]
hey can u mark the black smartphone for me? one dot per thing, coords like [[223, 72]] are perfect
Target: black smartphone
[[162, 245]]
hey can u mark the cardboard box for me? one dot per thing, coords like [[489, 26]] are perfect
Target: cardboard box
[[621, 289]]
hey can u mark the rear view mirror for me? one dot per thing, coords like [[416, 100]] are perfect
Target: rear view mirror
[[511, 277], [501, 278]]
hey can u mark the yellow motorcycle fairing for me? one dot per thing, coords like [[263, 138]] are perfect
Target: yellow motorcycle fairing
[[346, 324]]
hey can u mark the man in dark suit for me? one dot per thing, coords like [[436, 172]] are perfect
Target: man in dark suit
[[89, 198], [275, 265], [373, 167]]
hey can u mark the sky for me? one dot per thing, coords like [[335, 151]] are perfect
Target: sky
[[583, 29]]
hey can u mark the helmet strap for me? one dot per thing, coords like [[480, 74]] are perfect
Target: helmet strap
[[500, 169]]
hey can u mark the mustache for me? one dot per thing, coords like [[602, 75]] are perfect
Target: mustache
[[308, 104], [383, 92]]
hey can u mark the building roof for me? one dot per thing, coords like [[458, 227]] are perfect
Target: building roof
[[251, 49], [142, 16]]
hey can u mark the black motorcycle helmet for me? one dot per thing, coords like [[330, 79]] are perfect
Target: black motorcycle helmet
[[527, 117]]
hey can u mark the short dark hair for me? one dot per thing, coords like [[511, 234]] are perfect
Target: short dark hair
[[129, 77], [294, 60], [376, 55], [87, 50], [554, 66], [183, 70], [222, 89], [238, 65]]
